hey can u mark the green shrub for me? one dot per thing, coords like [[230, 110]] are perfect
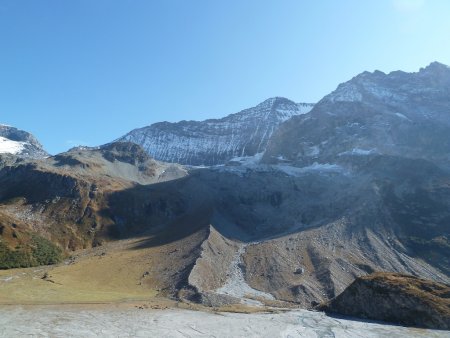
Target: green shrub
[[14, 258], [40, 252], [45, 252]]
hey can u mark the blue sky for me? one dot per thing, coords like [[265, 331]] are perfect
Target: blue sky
[[88, 71]]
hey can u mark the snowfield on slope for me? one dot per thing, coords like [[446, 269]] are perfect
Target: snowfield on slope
[[10, 147]]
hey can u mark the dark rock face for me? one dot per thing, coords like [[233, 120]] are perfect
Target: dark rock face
[[403, 114], [23, 144], [216, 141], [395, 298], [126, 152]]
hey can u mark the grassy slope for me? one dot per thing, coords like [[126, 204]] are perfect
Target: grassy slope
[[93, 278]]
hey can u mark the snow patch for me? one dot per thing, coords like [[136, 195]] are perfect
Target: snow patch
[[358, 152], [236, 285], [248, 160], [402, 116], [242, 170], [315, 167], [281, 158], [11, 147]]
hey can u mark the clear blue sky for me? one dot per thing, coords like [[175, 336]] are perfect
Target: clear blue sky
[[88, 71]]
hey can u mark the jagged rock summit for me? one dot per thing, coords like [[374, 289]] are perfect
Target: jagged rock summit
[[217, 141], [20, 143], [400, 114]]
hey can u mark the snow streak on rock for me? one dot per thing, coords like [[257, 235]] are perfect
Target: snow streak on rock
[[217, 141], [236, 286]]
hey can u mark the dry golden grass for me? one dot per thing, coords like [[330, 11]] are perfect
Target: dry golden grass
[[93, 278]]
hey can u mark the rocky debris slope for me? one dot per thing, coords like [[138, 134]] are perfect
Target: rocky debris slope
[[218, 275], [216, 141], [400, 114], [395, 298], [20, 143], [297, 236]]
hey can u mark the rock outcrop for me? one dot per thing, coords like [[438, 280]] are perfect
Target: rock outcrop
[[395, 298]]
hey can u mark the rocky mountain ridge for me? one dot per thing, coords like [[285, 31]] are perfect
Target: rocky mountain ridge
[[216, 141], [399, 114]]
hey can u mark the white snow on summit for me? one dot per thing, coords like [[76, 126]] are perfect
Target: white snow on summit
[[10, 147]]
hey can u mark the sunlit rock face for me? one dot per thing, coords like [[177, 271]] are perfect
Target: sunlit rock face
[[217, 141]]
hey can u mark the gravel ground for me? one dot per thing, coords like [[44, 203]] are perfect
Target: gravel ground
[[236, 286], [51, 321]]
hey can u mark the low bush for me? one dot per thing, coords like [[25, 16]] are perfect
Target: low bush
[[40, 251]]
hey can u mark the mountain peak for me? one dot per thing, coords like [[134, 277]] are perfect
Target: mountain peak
[[396, 85], [275, 101], [19, 142], [437, 65], [283, 108], [216, 141], [435, 68], [400, 113]]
